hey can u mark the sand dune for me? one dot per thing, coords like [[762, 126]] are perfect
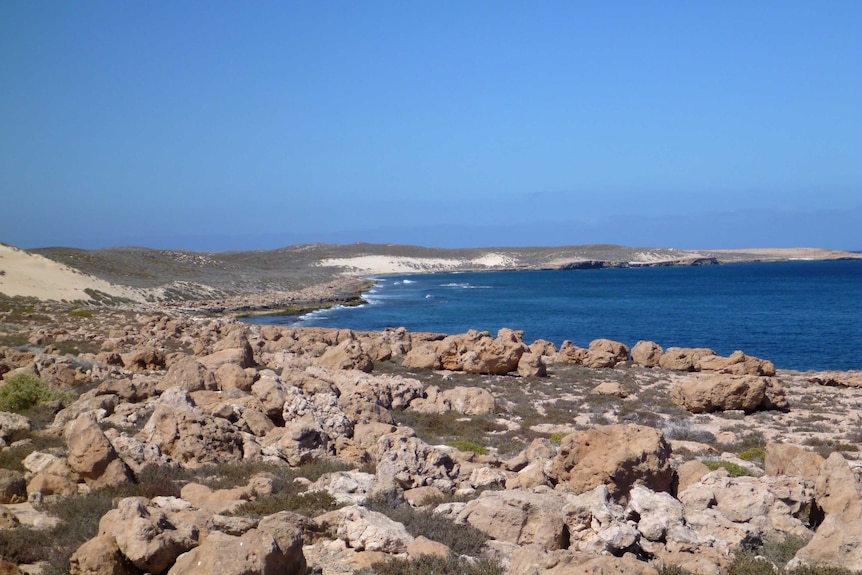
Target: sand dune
[[25, 274]]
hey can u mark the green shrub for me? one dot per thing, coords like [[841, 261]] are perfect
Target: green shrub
[[557, 438], [752, 454], [464, 445], [24, 391], [673, 570], [461, 539], [80, 313], [433, 565], [732, 468]]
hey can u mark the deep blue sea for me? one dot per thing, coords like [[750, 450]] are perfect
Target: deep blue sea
[[800, 315]]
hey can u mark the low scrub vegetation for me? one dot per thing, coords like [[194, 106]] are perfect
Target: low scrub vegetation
[[23, 391], [433, 565]]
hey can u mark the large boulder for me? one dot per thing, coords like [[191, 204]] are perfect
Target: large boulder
[[647, 353], [189, 374], [407, 462], [605, 353], [837, 490], [788, 459], [363, 529], [92, 456], [532, 365], [707, 393], [191, 437], [223, 554], [101, 556], [570, 353], [12, 425], [145, 535], [466, 400], [737, 364], [619, 456], [683, 358], [347, 355], [422, 357], [518, 517], [496, 357], [836, 543]]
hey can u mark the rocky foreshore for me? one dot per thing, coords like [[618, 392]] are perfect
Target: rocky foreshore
[[141, 441]]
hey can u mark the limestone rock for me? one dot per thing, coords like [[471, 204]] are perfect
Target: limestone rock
[[347, 355], [518, 517], [532, 365], [683, 358], [836, 543], [837, 491], [222, 554], [101, 556], [605, 353], [346, 487], [466, 400], [297, 442], [422, 357], [8, 520], [232, 376], [92, 455], [144, 359], [408, 462], [189, 374], [570, 353], [13, 487], [11, 425], [708, 393], [619, 456], [363, 529], [647, 353], [787, 459], [145, 535]]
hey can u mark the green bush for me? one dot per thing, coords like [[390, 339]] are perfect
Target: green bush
[[80, 313], [464, 445], [753, 454], [732, 468], [461, 539], [24, 391]]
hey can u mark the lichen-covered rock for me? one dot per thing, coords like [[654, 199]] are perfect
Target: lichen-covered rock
[[619, 456]]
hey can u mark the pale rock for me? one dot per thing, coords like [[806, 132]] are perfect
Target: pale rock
[[271, 392], [297, 442], [189, 374], [610, 388], [232, 376], [145, 535], [605, 353], [519, 517], [347, 355], [787, 459], [408, 462], [221, 554], [570, 353], [424, 546], [657, 512], [11, 425], [363, 529], [346, 487], [532, 365], [8, 520], [837, 491], [836, 543], [92, 456], [422, 357], [13, 486], [683, 358], [101, 556]]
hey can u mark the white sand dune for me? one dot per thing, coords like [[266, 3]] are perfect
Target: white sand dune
[[30, 275], [381, 265]]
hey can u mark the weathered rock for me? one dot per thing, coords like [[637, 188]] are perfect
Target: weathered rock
[[611, 388], [424, 546], [496, 357], [101, 556], [7, 568], [12, 425], [145, 535], [271, 391], [466, 400], [189, 374], [8, 520], [787, 459], [347, 355], [647, 353], [346, 487], [532, 365], [297, 442], [363, 529], [707, 393], [837, 491], [92, 456], [605, 353], [13, 487], [408, 462], [690, 473], [657, 512], [387, 391], [737, 364], [619, 456], [422, 357], [518, 517], [232, 376], [221, 554], [90, 402], [191, 437], [838, 378], [836, 543], [570, 353], [683, 358], [287, 529], [144, 359], [532, 560], [226, 500]]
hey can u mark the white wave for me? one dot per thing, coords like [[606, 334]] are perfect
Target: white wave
[[465, 286], [408, 282]]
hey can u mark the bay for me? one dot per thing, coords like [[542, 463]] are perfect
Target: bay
[[802, 315]]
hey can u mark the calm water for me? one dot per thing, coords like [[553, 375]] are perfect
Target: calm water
[[800, 315]]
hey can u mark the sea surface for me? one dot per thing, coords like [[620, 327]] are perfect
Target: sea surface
[[804, 315]]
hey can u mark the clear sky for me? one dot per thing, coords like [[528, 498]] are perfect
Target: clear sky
[[254, 125]]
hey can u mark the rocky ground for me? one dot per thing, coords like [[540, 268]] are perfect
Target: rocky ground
[[144, 440]]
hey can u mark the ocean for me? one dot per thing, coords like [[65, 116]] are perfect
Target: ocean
[[803, 315]]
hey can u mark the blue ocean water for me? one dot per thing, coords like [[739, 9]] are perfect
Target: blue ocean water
[[800, 315]]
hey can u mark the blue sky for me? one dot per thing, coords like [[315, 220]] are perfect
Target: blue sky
[[237, 125]]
